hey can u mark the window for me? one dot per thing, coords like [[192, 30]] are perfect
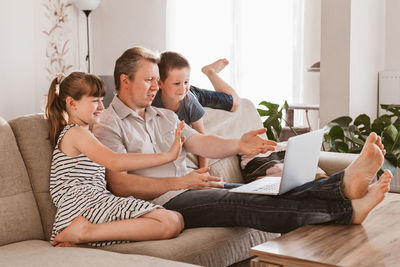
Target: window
[[261, 39]]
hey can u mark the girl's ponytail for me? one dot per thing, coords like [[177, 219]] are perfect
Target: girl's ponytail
[[55, 111]]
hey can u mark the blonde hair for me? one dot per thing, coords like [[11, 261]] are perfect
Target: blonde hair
[[128, 63], [75, 85]]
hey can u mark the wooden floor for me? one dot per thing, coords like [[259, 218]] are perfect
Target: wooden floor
[[374, 243]]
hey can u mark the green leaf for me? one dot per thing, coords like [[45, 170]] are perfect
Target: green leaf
[[263, 112], [269, 105], [336, 133], [391, 132], [343, 121], [364, 121], [341, 147]]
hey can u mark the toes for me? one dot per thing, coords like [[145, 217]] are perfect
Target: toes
[[372, 138], [387, 175]]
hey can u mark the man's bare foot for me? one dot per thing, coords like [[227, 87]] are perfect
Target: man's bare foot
[[359, 174], [376, 193], [215, 67], [74, 233]]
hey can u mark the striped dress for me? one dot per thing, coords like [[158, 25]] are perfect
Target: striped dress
[[78, 188]]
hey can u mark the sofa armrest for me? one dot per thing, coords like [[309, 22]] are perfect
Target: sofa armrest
[[332, 162]]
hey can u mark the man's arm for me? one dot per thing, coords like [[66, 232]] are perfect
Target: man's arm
[[124, 184], [216, 147]]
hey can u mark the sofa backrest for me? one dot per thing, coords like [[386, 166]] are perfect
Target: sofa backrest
[[19, 214], [228, 125], [31, 133]]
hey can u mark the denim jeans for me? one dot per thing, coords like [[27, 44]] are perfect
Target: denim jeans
[[212, 99], [312, 203]]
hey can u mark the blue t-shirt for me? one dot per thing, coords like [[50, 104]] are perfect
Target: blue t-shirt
[[190, 110]]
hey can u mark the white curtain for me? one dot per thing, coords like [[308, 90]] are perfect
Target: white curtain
[[262, 39]]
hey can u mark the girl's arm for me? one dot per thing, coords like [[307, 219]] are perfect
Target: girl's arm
[[86, 143], [199, 126]]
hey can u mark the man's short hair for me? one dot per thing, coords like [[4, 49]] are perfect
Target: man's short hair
[[128, 63], [171, 60]]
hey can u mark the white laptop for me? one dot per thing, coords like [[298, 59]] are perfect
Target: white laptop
[[300, 166]]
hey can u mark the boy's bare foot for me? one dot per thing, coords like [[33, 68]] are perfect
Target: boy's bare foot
[[359, 174], [73, 234], [376, 193], [215, 67]]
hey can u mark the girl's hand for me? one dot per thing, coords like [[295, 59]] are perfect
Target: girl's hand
[[176, 147]]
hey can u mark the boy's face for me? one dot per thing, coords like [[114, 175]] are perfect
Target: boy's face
[[176, 85]]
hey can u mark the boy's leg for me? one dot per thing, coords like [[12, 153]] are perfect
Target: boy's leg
[[157, 224], [212, 99], [211, 71]]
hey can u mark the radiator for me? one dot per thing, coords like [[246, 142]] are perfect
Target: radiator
[[389, 93]]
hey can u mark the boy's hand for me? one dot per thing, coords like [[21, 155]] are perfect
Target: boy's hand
[[176, 147], [251, 144]]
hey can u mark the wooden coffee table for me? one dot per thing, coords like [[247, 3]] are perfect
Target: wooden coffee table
[[374, 243]]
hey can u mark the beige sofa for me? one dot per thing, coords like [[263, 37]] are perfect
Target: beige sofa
[[27, 212]]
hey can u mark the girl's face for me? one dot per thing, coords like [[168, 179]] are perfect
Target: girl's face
[[176, 85], [87, 110]]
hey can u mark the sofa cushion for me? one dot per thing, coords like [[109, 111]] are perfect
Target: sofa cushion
[[31, 133], [228, 125], [208, 246], [41, 253], [19, 215]]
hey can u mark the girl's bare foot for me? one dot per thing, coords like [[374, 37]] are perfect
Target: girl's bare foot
[[215, 67], [73, 234], [376, 193], [359, 174]]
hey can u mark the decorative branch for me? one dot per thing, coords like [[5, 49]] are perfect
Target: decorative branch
[[57, 45]]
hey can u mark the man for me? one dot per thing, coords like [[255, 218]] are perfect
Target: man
[[130, 124]]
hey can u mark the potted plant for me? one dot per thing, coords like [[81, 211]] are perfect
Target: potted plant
[[274, 119], [348, 136]]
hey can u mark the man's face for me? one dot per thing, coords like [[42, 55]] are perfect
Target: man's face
[[143, 87]]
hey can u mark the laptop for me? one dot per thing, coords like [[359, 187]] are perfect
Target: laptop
[[300, 166]]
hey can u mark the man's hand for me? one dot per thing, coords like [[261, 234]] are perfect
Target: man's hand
[[200, 179], [251, 144]]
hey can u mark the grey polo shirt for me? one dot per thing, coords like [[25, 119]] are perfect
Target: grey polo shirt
[[123, 130]]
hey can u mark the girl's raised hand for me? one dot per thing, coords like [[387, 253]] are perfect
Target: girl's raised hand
[[176, 147]]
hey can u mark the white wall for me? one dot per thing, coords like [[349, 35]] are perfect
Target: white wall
[[119, 25], [352, 54], [367, 55], [24, 80], [115, 26], [312, 54], [18, 56], [392, 48], [335, 58]]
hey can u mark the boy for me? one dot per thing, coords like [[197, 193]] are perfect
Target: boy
[[188, 101]]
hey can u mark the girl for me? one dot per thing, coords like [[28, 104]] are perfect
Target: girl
[[86, 211]]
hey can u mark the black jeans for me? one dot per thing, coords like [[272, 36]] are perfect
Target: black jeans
[[312, 203]]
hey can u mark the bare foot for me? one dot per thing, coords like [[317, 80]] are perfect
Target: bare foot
[[215, 67], [376, 193], [359, 174], [73, 234]]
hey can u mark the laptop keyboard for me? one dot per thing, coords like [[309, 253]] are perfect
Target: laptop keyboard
[[268, 188]]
